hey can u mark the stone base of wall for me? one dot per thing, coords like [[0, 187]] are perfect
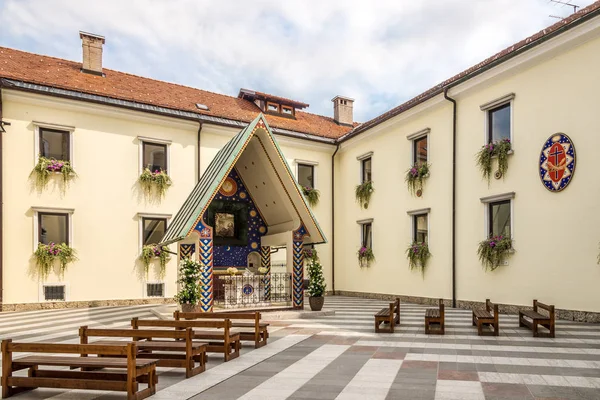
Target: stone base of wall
[[82, 304], [568, 315]]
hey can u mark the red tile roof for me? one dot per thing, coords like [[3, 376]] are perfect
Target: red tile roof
[[64, 74], [575, 18]]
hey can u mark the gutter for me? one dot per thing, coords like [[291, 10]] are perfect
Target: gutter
[[337, 147], [453, 195], [1, 207], [199, 148]]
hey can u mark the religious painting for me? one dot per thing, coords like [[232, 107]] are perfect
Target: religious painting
[[225, 225], [557, 162]]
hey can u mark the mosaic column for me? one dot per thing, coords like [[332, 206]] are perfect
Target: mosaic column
[[205, 257], [265, 262], [298, 268], [186, 250]]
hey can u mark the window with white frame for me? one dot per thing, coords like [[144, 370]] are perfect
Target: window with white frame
[[366, 234], [366, 171], [54, 143], [152, 228], [420, 228], [154, 156], [306, 175], [53, 227], [420, 155], [498, 215], [499, 118]]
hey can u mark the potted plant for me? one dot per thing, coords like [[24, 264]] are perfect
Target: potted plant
[[500, 149], [189, 290], [417, 254], [154, 180], [47, 254], [363, 193], [415, 176], [45, 167], [365, 256], [152, 251], [311, 195], [316, 283], [493, 251]]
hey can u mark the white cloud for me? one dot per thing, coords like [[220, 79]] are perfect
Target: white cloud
[[380, 52]]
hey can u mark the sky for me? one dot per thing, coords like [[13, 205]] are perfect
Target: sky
[[379, 52]]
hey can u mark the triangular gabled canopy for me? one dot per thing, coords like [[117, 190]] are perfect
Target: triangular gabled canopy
[[258, 160]]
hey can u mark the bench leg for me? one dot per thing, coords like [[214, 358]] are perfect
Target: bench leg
[[6, 369], [535, 329], [473, 320], [497, 328], [426, 326], [521, 324], [479, 328]]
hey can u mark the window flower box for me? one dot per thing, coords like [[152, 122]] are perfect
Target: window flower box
[[494, 250], [365, 256], [46, 167], [157, 180], [311, 195], [415, 176], [46, 256], [418, 254], [363, 193], [500, 149], [151, 252]]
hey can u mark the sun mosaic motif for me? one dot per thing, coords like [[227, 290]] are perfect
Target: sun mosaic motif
[[557, 162]]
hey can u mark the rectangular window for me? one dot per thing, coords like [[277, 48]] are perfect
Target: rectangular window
[[153, 230], [287, 110], [420, 150], [306, 175], [155, 289], [367, 235], [154, 156], [55, 144], [420, 228], [499, 218], [54, 293], [273, 107], [53, 228], [366, 170], [499, 123]]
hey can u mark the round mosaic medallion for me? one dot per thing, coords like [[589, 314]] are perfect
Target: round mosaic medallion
[[262, 229], [228, 188], [243, 195], [557, 162], [248, 289], [253, 213], [254, 245]]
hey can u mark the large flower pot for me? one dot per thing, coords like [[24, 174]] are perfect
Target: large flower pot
[[191, 308], [316, 303]]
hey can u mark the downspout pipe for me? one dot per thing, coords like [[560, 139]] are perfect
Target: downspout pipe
[[337, 147], [1, 208], [450, 99], [199, 131]]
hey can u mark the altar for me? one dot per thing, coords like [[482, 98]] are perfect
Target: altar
[[245, 290]]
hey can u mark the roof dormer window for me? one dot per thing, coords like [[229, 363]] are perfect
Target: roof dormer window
[[272, 107], [287, 110], [271, 104]]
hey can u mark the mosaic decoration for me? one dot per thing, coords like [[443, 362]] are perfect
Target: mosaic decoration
[[265, 262], [298, 280], [205, 251], [557, 162], [248, 289], [186, 250], [237, 256]]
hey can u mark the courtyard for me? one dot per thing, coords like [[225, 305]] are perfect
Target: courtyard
[[338, 356]]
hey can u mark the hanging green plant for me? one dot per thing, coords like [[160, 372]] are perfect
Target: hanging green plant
[[417, 254], [493, 251], [363, 193], [44, 169], [311, 195], [152, 251], [316, 280], [47, 254], [189, 275], [415, 176], [485, 156], [158, 180], [365, 256]]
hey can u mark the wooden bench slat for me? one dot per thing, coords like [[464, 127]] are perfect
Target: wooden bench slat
[[80, 362], [435, 316], [537, 319], [61, 383], [160, 345], [534, 315]]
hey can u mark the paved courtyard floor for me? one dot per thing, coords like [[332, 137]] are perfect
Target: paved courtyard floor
[[340, 357]]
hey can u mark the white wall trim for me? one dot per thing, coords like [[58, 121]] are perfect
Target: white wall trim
[[305, 162], [50, 125], [140, 217], [486, 215], [413, 222], [364, 156], [154, 140], [314, 164], [419, 211], [497, 102], [498, 197], [41, 297], [418, 134], [53, 210], [154, 215], [365, 221], [142, 140]]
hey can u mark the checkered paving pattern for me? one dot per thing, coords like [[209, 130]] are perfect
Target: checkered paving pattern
[[340, 357]]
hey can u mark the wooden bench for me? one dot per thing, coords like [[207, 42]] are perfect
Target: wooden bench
[[180, 352], [255, 331], [225, 341], [435, 316], [547, 321], [483, 318], [390, 316], [135, 371]]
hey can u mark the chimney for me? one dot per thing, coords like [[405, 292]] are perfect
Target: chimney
[[342, 110], [92, 53]]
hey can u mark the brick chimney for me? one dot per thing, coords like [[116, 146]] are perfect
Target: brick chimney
[[92, 53], [343, 110]]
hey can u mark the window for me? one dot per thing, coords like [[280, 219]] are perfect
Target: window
[[287, 110], [366, 170], [273, 107], [499, 218], [499, 123], [54, 293], [420, 150], [53, 228], [306, 175], [55, 144], [153, 230], [366, 237], [155, 289], [420, 228], [154, 156]]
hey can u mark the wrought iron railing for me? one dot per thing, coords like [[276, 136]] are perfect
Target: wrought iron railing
[[252, 291]]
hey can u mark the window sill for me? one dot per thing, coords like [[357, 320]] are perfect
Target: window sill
[[510, 152]]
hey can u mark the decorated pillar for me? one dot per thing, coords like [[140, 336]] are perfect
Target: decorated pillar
[[298, 267], [186, 250], [265, 262], [205, 258]]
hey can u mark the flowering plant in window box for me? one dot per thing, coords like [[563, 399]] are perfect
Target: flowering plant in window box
[[363, 193], [47, 254], [494, 250], [417, 254], [189, 290], [365, 256], [311, 195], [415, 176], [45, 167], [152, 251], [500, 149], [158, 180]]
